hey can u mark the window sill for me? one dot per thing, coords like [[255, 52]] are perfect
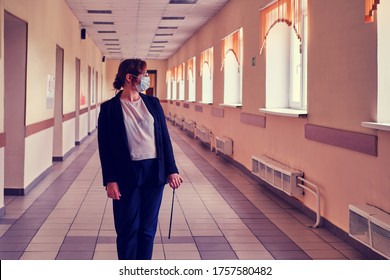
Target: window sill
[[376, 125], [205, 102], [285, 112], [236, 105]]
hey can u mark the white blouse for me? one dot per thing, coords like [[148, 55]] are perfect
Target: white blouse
[[139, 125]]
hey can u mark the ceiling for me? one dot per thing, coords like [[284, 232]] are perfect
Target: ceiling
[[146, 29]]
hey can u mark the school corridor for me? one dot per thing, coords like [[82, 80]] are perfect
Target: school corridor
[[220, 212]]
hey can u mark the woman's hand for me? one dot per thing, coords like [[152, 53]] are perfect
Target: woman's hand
[[113, 190], [175, 180]]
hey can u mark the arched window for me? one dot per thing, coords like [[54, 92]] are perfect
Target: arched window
[[284, 38], [370, 7], [207, 84], [191, 77], [232, 83], [206, 71], [173, 83], [383, 62], [232, 67], [168, 82], [180, 81], [277, 70]]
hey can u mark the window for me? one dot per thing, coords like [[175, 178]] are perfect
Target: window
[[371, 6], [206, 71], [284, 30], [191, 77], [232, 67], [383, 61], [180, 81], [169, 85], [173, 83]]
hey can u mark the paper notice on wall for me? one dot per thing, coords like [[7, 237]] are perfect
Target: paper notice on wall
[[82, 100], [50, 91]]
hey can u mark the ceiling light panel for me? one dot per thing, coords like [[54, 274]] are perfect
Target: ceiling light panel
[[183, 1], [99, 12], [168, 27], [103, 22]]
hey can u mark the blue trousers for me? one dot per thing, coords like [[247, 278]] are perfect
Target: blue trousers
[[136, 214]]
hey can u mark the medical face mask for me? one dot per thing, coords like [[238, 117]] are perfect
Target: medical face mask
[[144, 84]]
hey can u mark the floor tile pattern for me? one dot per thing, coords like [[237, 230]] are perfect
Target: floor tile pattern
[[219, 213]]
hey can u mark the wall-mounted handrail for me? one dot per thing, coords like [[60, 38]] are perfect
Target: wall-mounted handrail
[[314, 190]]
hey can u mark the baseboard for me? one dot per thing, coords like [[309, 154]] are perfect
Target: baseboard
[[2, 211], [58, 159], [64, 157], [29, 187], [92, 132], [78, 143]]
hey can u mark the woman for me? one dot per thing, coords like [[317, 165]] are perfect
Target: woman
[[137, 159]]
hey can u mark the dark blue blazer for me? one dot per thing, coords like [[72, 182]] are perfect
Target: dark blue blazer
[[114, 153]]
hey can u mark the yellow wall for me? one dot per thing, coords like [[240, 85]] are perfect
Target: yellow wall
[[341, 94], [342, 69], [111, 68], [52, 23]]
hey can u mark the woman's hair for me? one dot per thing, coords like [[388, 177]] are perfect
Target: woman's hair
[[129, 66]]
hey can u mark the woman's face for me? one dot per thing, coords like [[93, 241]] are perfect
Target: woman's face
[[135, 80], [143, 73]]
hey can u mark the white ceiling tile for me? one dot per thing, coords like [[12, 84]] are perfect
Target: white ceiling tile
[[136, 24]]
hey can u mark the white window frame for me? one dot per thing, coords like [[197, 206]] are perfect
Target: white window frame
[[207, 77], [191, 75], [174, 85], [169, 85], [281, 101], [181, 83], [301, 104], [383, 64], [233, 99], [232, 81], [207, 84], [169, 90]]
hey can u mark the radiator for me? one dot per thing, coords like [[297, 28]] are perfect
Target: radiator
[[286, 179], [370, 226], [189, 126], [171, 117], [203, 134], [277, 174], [224, 145], [179, 121]]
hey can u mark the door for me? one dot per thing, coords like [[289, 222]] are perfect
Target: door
[[15, 50]]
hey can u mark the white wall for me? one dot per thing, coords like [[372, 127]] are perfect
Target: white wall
[[37, 158], [68, 134], [83, 126], [92, 120]]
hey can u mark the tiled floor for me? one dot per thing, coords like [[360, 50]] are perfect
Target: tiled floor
[[219, 213]]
